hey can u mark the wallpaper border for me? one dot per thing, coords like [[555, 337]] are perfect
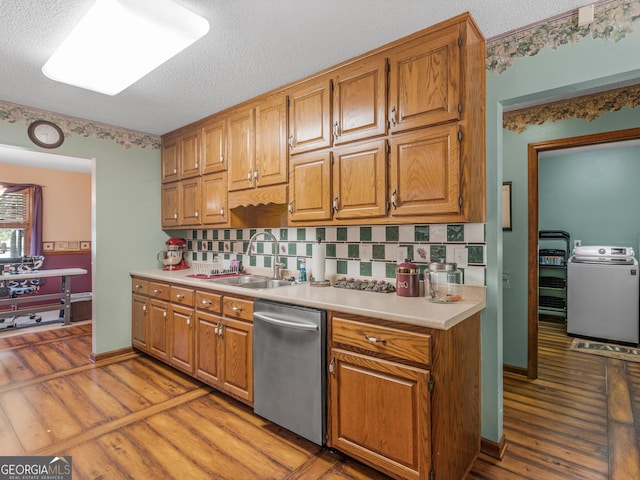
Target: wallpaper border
[[13, 113]]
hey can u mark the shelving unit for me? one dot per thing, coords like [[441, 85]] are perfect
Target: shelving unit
[[552, 272]]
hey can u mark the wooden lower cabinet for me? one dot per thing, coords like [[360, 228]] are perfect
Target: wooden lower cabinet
[[380, 413], [182, 337], [405, 399], [158, 329], [139, 308]]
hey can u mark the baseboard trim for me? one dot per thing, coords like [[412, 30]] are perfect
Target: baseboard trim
[[110, 355], [516, 370], [494, 449]]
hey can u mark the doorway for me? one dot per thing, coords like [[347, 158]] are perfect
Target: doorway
[[534, 151]]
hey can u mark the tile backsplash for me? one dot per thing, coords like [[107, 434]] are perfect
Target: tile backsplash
[[354, 251]]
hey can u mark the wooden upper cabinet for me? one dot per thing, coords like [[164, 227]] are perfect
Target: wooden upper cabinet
[[169, 160], [214, 147], [189, 151], [271, 142], [424, 80], [310, 186], [424, 167], [170, 205], [360, 100], [241, 148], [214, 199], [189, 194], [360, 180], [310, 115]]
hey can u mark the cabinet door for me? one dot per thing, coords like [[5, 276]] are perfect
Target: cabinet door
[[190, 194], [170, 205], [360, 180], [182, 336], [214, 199], [189, 160], [237, 359], [213, 155], [360, 101], [380, 414], [169, 160], [139, 309], [208, 328], [241, 149], [425, 172], [424, 81], [158, 329], [310, 186], [310, 116], [271, 141]]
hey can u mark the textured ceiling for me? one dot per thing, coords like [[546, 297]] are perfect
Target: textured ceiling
[[253, 46]]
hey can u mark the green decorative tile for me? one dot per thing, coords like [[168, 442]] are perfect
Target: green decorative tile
[[221, 246], [455, 233], [321, 234], [437, 253], [238, 234], [475, 254], [194, 256], [252, 232], [409, 251], [353, 250], [330, 250], [285, 262], [365, 234], [267, 262], [421, 233], [252, 261], [365, 269], [284, 234], [260, 247], [392, 234], [342, 267], [209, 245], [390, 270], [301, 234], [204, 256], [378, 252], [341, 234], [194, 234], [292, 248], [309, 249], [204, 234], [227, 234], [215, 235]]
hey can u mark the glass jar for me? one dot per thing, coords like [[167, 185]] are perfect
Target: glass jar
[[442, 282]]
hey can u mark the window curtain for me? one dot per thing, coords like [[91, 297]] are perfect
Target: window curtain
[[35, 248]]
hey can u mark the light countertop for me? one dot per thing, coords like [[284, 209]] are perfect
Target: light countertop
[[388, 306]]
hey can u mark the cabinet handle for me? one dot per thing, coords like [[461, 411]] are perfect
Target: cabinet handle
[[393, 198], [249, 175], [189, 321], [175, 171], [180, 297], [197, 214], [291, 207], [221, 158], [255, 174], [207, 302], [335, 203], [331, 366], [156, 291], [222, 212], [138, 287], [175, 216], [291, 141], [392, 117], [144, 308], [375, 340], [220, 329], [235, 308], [197, 166], [336, 133], [164, 314]]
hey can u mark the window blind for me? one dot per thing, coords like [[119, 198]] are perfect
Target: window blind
[[13, 208]]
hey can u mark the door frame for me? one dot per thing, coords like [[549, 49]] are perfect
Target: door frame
[[533, 170]]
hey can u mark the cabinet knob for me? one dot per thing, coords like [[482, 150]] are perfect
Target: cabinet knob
[[138, 287], [156, 291], [375, 340], [235, 308], [180, 297], [206, 302]]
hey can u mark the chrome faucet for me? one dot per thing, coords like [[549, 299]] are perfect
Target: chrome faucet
[[276, 265]]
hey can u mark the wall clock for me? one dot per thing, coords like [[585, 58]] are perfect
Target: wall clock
[[45, 134]]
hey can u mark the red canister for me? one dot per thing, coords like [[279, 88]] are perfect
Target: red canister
[[407, 279]]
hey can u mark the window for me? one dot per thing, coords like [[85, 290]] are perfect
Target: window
[[15, 224]]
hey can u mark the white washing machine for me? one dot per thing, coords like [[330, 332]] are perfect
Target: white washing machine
[[602, 294]]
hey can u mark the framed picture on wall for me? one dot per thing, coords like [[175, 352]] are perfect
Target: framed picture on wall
[[506, 206]]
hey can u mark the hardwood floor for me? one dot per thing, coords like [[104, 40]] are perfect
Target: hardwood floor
[[133, 417]]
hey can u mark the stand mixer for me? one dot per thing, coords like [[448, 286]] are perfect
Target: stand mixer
[[173, 257]]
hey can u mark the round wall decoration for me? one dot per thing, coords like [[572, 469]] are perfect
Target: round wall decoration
[[45, 134]]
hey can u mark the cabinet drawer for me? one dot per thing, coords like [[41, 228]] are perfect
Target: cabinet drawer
[[159, 290], [411, 346], [208, 302], [140, 286], [182, 296], [238, 307]]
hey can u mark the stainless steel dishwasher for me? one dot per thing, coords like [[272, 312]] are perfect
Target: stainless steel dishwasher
[[289, 358]]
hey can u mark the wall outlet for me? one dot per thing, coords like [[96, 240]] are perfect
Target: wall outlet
[[577, 243]]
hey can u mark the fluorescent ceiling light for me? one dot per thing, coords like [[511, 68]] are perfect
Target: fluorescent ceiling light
[[119, 41]]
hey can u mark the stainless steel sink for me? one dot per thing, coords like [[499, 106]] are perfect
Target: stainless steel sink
[[252, 281]]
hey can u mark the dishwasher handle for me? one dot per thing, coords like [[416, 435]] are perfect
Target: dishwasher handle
[[284, 323]]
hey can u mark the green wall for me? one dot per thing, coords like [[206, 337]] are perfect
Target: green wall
[[126, 224], [570, 68]]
